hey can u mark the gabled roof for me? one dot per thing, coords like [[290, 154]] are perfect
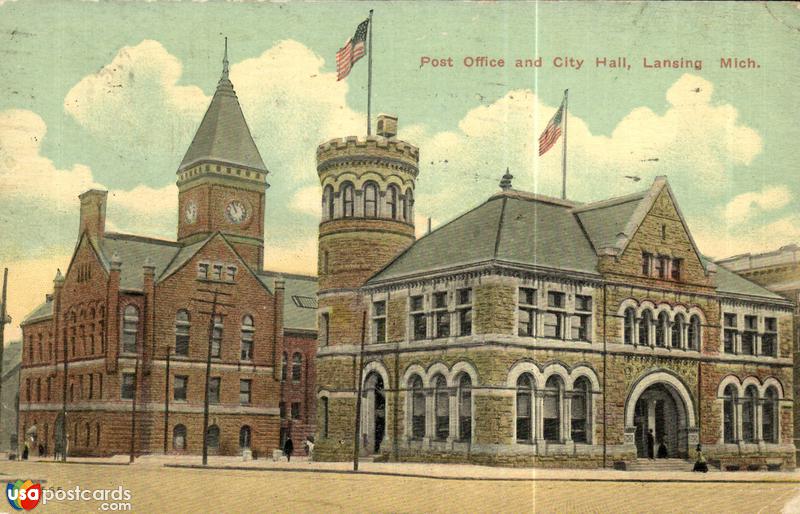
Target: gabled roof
[[605, 221], [731, 283], [133, 251], [223, 135], [298, 312], [41, 312]]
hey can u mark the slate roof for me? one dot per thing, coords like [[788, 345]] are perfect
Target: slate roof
[[514, 227], [133, 251], [299, 289], [41, 312], [223, 135]]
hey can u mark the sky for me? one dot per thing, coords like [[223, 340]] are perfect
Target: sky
[[109, 95]]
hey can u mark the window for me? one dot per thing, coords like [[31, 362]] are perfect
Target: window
[[583, 303], [202, 270], [370, 200], [216, 272], [644, 328], [212, 437], [580, 327], [130, 329], [244, 391], [297, 367], [327, 202], [179, 437], [216, 338], [391, 201], [128, 386], [661, 328], [244, 437], [524, 408], [325, 327], [91, 386], [677, 331], [214, 384], [555, 300], [379, 322], [284, 366], [347, 199], [441, 316], [464, 310], [629, 325], [661, 267], [552, 409], [729, 334], [417, 408], [418, 318], [647, 259], [325, 413], [552, 324], [464, 395], [408, 206], [676, 269], [295, 410], [182, 326], [282, 408], [526, 325], [749, 335], [770, 337], [441, 408], [248, 329], [769, 420], [693, 342], [749, 407], [230, 273], [179, 387], [580, 427]]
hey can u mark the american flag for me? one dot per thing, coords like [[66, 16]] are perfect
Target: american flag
[[353, 50], [552, 131]]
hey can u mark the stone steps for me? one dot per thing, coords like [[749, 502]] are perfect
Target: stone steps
[[660, 465]]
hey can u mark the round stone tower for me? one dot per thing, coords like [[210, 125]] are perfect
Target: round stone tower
[[367, 220]]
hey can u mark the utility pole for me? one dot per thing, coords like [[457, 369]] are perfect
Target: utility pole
[[166, 401], [133, 405], [211, 317], [2, 336], [357, 432]]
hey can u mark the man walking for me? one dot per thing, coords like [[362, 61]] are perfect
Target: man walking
[[288, 448], [651, 442]]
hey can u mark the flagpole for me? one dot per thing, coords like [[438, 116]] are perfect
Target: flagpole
[[369, 79], [564, 152]]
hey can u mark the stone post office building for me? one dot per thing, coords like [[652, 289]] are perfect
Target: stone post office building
[[536, 331], [129, 322]]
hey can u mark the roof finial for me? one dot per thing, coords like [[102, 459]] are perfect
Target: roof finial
[[505, 182], [225, 60]]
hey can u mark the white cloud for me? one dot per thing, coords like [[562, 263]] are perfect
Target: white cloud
[[718, 240], [308, 200], [296, 256], [744, 207]]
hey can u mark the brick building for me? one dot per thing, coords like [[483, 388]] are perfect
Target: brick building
[[778, 271], [536, 331], [132, 321]]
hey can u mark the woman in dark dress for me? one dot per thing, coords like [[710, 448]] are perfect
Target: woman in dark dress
[[700, 464], [288, 448]]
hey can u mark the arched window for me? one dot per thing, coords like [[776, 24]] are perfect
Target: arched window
[[677, 331], [729, 414], [391, 201], [370, 200], [693, 342], [644, 328], [97, 434], [88, 434], [749, 408], [248, 330], [417, 408], [284, 365], [581, 405], [297, 367], [661, 329], [464, 407], [348, 193], [216, 337], [244, 437], [630, 324], [327, 202], [408, 206], [130, 329], [441, 408], [179, 437], [553, 392], [525, 408], [325, 413], [769, 416], [213, 437], [182, 325]]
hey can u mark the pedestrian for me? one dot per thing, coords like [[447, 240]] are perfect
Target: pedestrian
[[25, 450], [309, 447], [700, 462], [651, 442], [288, 448], [662, 450], [41, 450]]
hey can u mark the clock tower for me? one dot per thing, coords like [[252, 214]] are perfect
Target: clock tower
[[222, 179]]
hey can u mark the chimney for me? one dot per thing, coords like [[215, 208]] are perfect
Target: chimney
[[93, 213], [387, 125]]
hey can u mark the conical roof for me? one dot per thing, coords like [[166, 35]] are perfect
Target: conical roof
[[223, 135]]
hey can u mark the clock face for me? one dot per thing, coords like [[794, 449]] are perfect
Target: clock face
[[236, 212], [190, 214]]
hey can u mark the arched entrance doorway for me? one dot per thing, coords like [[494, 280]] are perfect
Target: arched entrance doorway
[[373, 414], [660, 402]]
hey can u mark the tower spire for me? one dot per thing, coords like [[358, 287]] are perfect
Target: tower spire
[[225, 61], [505, 182]]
